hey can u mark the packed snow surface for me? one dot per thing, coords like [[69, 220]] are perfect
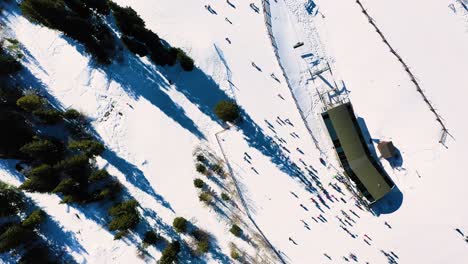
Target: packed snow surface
[[152, 119]]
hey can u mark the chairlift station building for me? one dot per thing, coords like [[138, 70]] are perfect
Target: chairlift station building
[[354, 155]]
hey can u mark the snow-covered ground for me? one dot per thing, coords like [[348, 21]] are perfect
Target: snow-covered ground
[[151, 127]]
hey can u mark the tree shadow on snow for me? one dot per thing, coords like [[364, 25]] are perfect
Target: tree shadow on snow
[[134, 176], [257, 139], [141, 80]]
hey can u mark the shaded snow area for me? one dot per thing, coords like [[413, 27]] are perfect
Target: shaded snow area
[[151, 120]]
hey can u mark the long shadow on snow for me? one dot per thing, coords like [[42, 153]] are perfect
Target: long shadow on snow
[[134, 175], [58, 240], [136, 78], [201, 90], [94, 211], [142, 80], [255, 137]]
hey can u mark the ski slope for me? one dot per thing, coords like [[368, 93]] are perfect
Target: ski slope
[[152, 119]]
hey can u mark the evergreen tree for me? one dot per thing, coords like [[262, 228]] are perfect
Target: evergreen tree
[[180, 224], [99, 175], [135, 46], [34, 219], [227, 111], [14, 236], [185, 61], [11, 200], [124, 215], [30, 102], [89, 147], [42, 178], [236, 230], [72, 114], [199, 183], [67, 186], [48, 116], [42, 149], [169, 254], [151, 237]]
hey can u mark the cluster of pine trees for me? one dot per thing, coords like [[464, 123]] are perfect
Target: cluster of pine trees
[[81, 20], [85, 22], [56, 165], [19, 230]]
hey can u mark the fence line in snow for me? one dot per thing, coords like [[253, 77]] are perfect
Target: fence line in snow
[[409, 72], [244, 203]]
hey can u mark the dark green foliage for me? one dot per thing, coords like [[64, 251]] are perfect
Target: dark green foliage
[[124, 216], [131, 25], [34, 219], [185, 61], [48, 116], [69, 199], [99, 175], [135, 46], [218, 169], [146, 36], [30, 102], [169, 254], [127, 19], [14, 236], [86, 28], [151, 237], [42, 178], [227, 111], [72, 114], [11, 200], [199, 183], [203, 240], [109, 191], [36, 255], [67, 186], [38, 147], [203, 246], [206, 197], [77, 166], [201, 168], [235, 254], [162, 55], [43, 11], [41, 171], [180, 224], [200, 235], [8, 64], [120, 234], [225, 197], [89, 147], [201, 158], [236, 230], [43, 149]]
